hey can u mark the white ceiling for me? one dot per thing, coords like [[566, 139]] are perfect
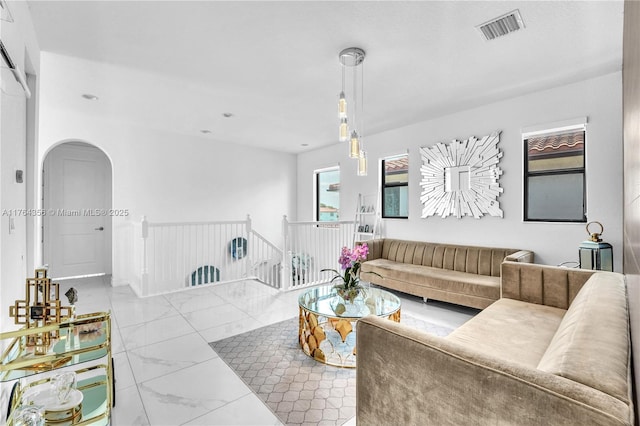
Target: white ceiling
[[180, 65]]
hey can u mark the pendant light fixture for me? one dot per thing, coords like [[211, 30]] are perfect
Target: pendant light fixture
[[354, 145], [362, 163], [342, 113], [344, 130], [342, 101], [350, 103]]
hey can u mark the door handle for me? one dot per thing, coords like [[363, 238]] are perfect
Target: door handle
[[99, 229]]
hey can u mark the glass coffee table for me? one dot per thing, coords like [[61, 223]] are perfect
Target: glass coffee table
[[327, 329]]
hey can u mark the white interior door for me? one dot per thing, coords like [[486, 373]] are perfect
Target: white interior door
[[77, 199]]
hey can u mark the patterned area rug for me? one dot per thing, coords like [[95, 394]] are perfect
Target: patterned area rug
[[298, 389]]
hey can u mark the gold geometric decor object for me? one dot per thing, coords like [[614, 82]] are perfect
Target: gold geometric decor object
[[395, 316], [40, 307], [461, 178], [318, 355], [344, 328]]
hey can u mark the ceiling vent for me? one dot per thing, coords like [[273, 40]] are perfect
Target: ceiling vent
[[502, 25]]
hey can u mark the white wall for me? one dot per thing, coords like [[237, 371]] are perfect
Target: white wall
[[169, 177], [599, 99], [19, 39]]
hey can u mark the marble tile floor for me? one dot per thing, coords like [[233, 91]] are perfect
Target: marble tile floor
[[165, 371]]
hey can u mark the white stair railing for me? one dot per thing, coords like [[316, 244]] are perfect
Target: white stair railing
[[180, 255], [310, 247], [265, 260]]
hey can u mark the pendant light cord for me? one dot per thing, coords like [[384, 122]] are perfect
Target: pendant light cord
[[356, 105], [362, 105]]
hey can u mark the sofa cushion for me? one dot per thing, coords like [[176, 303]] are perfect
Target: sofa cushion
[[591, 345], [441, 279], [542, 284], [511, 329], [470, 259]]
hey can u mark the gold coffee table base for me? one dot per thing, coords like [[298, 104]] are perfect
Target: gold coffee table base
[[330, 338]]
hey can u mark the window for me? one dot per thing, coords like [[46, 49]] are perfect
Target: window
[[395, 187], [328, 195], [554, 175]]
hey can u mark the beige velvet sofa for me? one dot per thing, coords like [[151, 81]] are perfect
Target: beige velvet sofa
[[465, 275], [554, 350]]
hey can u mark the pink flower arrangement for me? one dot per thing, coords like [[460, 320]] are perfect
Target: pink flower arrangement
[[349, 258], [349, 286]]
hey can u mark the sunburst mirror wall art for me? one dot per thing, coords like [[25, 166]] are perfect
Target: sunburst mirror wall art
[[461, 178]]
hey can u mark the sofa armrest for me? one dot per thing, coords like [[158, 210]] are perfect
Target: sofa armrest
[[375, 248], [520, 256], [542, 284], [407, 376]]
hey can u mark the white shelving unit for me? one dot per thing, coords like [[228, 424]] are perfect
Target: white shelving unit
[[367, 220]]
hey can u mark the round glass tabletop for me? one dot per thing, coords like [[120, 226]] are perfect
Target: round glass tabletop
[[324, 301]]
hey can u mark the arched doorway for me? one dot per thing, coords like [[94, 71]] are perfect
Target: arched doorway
[[77, 199]]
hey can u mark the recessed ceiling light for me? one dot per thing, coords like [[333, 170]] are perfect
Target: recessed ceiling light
[[205, 131], [227, 115], [90, 97]]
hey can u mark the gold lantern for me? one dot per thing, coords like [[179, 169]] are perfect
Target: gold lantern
[[595, 253]]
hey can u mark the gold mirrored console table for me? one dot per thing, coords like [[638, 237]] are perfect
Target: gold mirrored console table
[[81, 345]]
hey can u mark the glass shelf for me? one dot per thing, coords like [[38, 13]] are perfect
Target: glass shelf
[[82, 345], [84, 339]]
